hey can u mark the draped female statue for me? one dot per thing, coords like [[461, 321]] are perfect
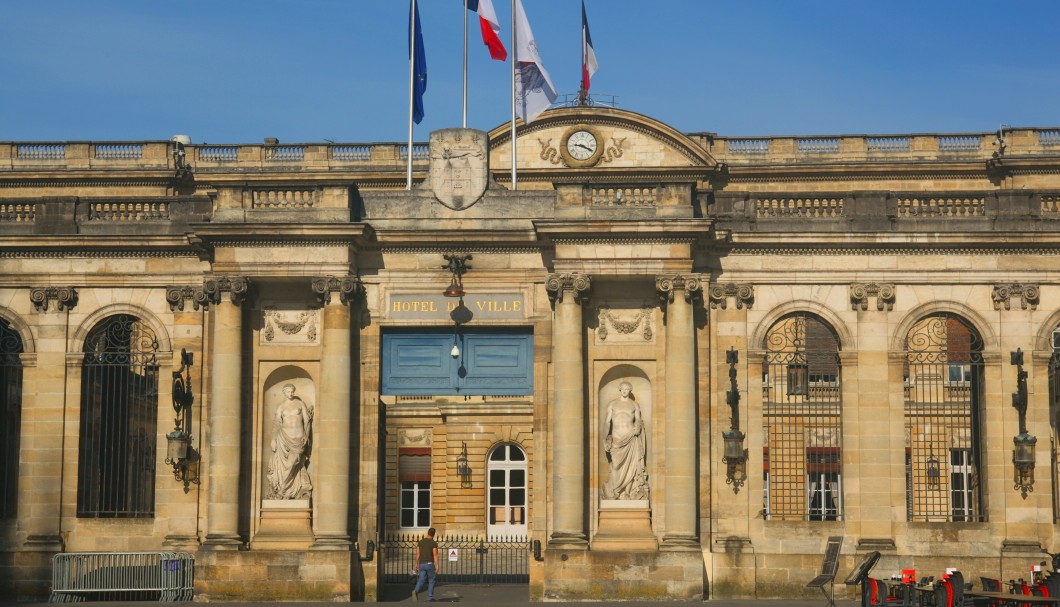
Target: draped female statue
[[624, 442], [288, 473]]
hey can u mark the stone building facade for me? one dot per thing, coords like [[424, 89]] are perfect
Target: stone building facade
[[842, 309]]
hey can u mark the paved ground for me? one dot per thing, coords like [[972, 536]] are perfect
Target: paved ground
[[490, 595], [515, 594]]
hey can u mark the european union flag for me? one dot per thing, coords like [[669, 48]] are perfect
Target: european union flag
[[419, 64]]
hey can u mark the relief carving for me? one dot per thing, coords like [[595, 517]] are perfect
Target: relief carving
[[626, 325], [290, 326]]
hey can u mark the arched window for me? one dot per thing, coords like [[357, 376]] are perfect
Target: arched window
[[801, 406], [119, 409], [943, 385], [10, 416], [507, 492]]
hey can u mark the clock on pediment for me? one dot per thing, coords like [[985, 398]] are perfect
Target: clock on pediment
[[581, 146]]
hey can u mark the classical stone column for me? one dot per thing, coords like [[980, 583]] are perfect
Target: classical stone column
[[568, 293], [331, 493], [223, 435], [677, 294]]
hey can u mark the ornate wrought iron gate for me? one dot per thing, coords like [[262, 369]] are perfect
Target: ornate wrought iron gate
[[478, 561]]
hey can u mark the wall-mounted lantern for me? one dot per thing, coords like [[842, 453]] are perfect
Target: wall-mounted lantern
[[179, 452], [1024, 442], [463, 468], [934, 473], [735, 455]]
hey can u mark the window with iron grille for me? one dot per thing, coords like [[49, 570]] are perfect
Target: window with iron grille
[[119, 410], [414, 477], [801, 406], [943, 387], [11, 419]]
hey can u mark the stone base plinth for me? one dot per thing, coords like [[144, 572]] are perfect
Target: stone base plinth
[[587, 575], [285, 525], [273, 576], [625, 526]]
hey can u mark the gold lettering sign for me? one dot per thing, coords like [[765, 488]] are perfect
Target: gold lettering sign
[[482, 307]]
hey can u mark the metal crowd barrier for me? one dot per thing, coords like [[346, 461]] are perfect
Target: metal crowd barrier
[[122, 576]]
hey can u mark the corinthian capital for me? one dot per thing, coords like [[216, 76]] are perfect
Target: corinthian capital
[[235, 286], [348, 288], [574, 285], [669, 286]]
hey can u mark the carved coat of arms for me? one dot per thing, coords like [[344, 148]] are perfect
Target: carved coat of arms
[[459, 166]]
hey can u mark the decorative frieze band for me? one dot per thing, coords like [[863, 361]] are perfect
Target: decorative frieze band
[[743, 293], [1003, 294], [560, 285], [176, 296], [668, 286], [236, 286], [861, 291], [349, 288], [65, 297]]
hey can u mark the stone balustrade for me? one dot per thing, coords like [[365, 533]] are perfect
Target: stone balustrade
[[736, 151], [750, 151]]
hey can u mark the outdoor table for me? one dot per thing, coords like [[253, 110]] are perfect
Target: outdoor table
[[1006, 599]]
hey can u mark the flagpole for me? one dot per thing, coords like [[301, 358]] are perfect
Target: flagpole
[[464, 112], [412, 76], [515, 59]]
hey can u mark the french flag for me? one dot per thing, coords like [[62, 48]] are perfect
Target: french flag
[[490, 26], [589, 64]]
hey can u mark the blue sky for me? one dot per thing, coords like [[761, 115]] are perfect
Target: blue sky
[[237, 71]]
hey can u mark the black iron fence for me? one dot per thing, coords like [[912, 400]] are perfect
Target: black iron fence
[[465, 559]]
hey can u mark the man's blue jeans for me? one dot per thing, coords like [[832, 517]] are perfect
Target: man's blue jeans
[[426, 574]]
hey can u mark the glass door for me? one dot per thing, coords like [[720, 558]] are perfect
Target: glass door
[[506, 510]]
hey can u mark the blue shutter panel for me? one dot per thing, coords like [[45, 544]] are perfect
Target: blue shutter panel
[[416, 364], [497, 363]]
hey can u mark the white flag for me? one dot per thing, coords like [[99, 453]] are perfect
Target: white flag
[[533, 86]]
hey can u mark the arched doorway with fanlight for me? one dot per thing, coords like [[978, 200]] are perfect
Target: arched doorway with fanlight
[[506, 494]]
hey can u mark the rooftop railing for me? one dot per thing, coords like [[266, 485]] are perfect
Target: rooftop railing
[[738, 151]]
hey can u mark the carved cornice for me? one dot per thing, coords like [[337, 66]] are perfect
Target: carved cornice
[[668, 286], [236, 286], [349, 288], [853, 250], [560, 285], [861, 291], [95, 254], [743, 293], [340, 241], [176, 296], [1003, 294], [65, 297]]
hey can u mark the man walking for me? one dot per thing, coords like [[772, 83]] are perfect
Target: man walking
[[427, 557]]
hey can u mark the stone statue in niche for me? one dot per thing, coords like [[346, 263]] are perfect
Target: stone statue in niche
[[288, 472], [624, 442]]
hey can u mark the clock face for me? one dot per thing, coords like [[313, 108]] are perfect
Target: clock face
[[581, 145]]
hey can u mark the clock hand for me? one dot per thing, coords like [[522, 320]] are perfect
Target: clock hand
[[582, 145]]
